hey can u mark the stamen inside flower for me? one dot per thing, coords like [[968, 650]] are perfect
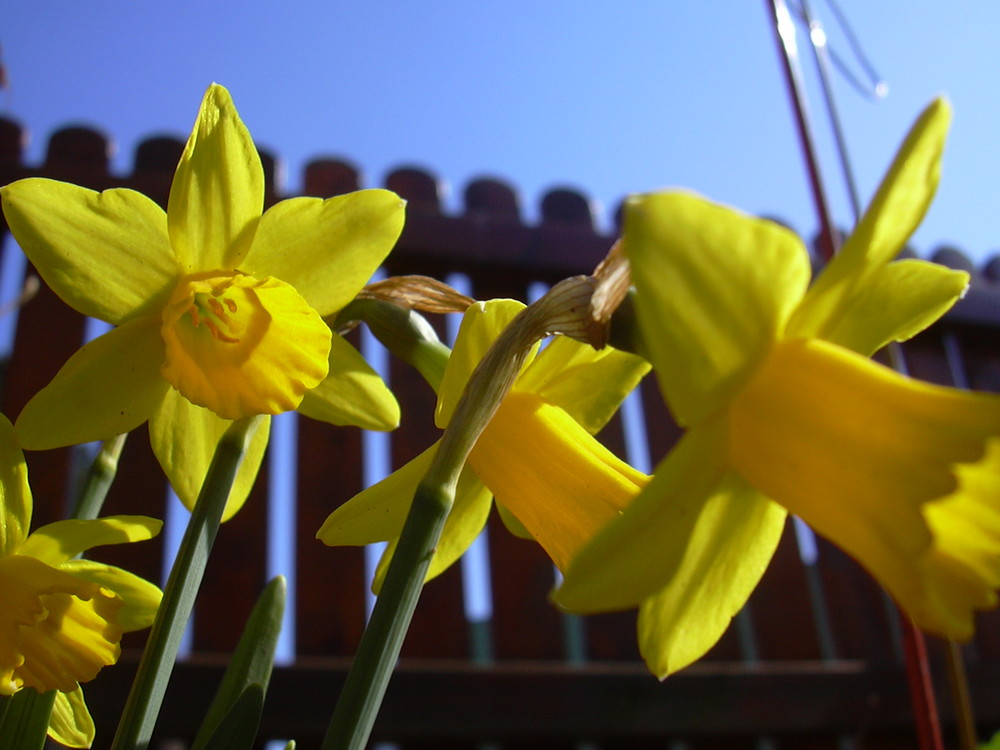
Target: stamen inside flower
[[242, 346], [216, 313]]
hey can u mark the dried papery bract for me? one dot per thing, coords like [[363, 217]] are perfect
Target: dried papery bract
[[416, 292]]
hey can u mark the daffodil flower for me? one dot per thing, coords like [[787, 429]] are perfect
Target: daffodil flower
[[62, 618], [218, 309], [552, 480], [785, 412]]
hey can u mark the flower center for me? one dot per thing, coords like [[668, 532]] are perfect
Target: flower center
[[207, 310], [216, 312], [241, 346]]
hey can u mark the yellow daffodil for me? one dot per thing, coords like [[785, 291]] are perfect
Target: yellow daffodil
[[62, 618], [784, 411], [552, 480], [218, 309]]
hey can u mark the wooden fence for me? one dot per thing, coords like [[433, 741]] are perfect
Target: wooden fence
[[814, 661]]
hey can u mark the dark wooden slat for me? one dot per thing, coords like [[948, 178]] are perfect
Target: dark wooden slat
[[492, 199], [330, 613], [325, 178]]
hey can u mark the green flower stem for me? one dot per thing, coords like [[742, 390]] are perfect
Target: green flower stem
[[98, 479], [146, 696], [354, 716], [404, 332]]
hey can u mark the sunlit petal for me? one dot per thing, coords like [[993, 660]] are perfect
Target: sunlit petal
[[560, 483], [15, 494], [511, 523], [729, 549], [55, 629], [184, 438], [58, 541], [105, 254], [895, 212], [587, 384], [217, 194], [352, 393], [70, 723], [377, 513], [327, 249], [242, 346], [481, 324], [109, 387], [640, 553], [896, 302], [714, 289], [140, 597], [880, 447]]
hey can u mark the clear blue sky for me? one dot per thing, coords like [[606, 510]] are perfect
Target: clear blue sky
[[608, 97]]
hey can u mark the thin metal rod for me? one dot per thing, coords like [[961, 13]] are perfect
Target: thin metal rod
[[817, 40], [784, 32]]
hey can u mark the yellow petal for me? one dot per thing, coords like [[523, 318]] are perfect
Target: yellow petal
[[859, 452], [906, 190], [962, 571], [728, 551], [217, 194], [638, 554], [464, 523], [377, 513], [560, 482], [105, 254], [714, 289], [511, 523], [59, 541], [70, 723], [896, 302], [587, 384], [140, 597], [242, 346], [15, 493], [481, 324], [184, 437], [55, 629], [895, 212], [109, 387], [352, 393], [327, 249]]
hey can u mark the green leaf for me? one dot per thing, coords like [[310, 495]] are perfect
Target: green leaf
[[25, 720], [238, 728], [236, 709]]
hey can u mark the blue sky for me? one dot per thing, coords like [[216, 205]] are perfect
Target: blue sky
[[607, 97]]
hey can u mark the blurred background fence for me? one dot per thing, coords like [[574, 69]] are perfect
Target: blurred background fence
[[815, 660]]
